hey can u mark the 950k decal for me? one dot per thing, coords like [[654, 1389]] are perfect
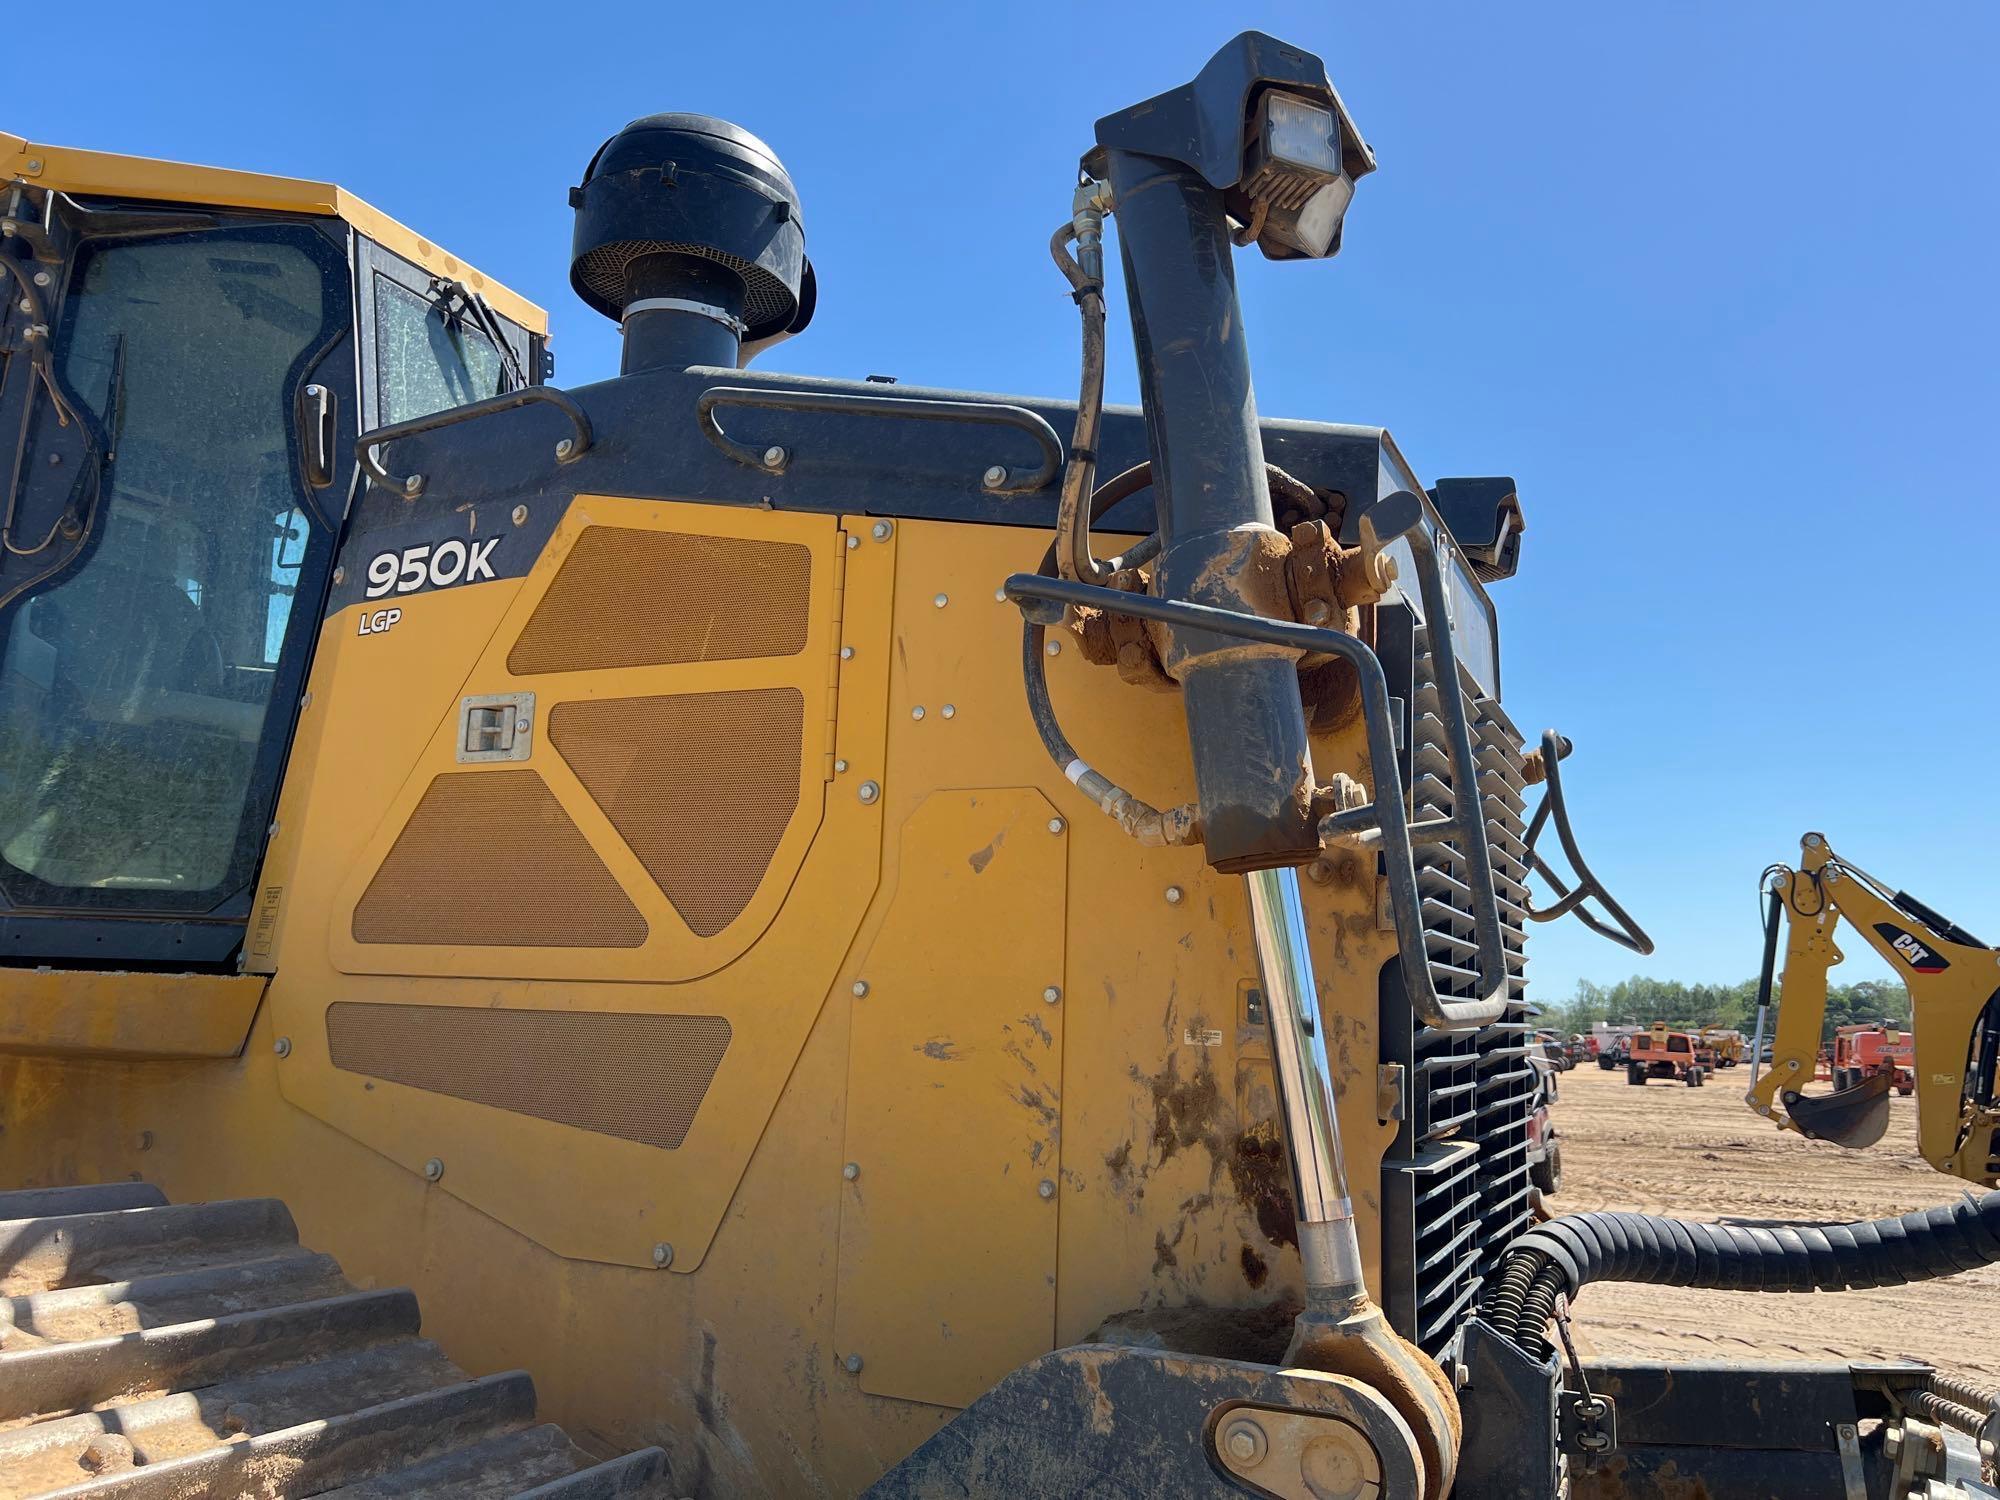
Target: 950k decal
[[429, 566]]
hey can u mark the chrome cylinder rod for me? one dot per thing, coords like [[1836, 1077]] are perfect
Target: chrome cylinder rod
[[1328, 1245]]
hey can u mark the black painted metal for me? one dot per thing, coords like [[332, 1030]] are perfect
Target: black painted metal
[[1246, 725], [682, 336]]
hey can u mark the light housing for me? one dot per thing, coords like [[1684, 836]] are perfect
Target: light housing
[[1295, 180]]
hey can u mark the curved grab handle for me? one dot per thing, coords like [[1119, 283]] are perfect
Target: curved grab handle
[[1628, 933], [1385, 814], [998, 478], [1467, 823], [567, 451]]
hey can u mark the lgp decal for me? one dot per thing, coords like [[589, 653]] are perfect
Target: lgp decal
[[379, 622], [1914, 953], [435, 567]]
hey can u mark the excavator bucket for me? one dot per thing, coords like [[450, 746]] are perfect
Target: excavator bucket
[[1852, 1117]]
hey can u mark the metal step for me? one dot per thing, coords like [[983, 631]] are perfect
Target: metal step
[[151, 1351]]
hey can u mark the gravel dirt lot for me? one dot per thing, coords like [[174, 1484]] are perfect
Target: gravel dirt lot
[[1701, 1154]]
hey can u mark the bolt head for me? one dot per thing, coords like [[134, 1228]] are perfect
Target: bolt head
[[851, 1171], [840, 768], [1052, 994], [340, 575], [1244, 1441], [868, 791], [282, 1046], [917, 712], [852, 1364], [520, 515], [414, 485], [565, 447], [1056, 825], [881, 531], [860, 988], [774, 457], [995, 476], [1054, 648], [847, 653], [663, 1255], [950, 711], [853, 542], [999, 596], [940, 601], [1046, 1188], [434, 1169], [1175, 895]]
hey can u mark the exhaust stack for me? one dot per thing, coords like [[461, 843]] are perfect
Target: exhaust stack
[[688, 234]]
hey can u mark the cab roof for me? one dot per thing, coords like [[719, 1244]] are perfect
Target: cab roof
[[104, 174]]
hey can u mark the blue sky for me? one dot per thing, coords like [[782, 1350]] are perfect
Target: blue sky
[[1714, 282]]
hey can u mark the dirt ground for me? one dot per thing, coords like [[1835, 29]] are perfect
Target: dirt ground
[[1701, 1154]]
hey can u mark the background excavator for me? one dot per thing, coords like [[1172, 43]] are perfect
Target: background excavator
[[582, 861], [1954, 984]]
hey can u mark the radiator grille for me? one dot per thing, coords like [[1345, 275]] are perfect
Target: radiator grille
[[701, 785], [1458, 1189], [639, 1077], [631, 598], [489, 859]]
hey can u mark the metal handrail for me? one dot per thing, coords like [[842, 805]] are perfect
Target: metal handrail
[[1629, 934], [1385, 813], [567, 451], [998, 479]]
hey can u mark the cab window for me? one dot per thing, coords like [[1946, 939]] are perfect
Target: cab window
[[428, 358]]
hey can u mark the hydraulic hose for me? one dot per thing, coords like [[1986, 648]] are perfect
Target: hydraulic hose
[[1559, 1258]]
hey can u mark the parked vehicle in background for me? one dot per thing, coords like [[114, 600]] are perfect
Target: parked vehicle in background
[[1727, 1043], [1665, 1053], [1860, 1052], [1544, 1147]]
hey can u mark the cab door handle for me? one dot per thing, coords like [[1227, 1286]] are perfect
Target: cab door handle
[[319, 429]]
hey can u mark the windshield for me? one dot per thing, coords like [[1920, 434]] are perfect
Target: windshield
[[135, 687]]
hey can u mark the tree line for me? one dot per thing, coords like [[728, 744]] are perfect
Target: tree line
[[1642, 1000]]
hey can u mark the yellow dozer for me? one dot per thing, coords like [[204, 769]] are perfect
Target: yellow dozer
[[719, 933]]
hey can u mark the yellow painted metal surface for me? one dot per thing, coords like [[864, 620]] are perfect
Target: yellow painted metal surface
[[54, 1013], [535, 1247], [596, 1197], [105, 173], [948, 1253]]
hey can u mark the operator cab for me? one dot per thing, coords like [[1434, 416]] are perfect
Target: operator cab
[[186, 356]]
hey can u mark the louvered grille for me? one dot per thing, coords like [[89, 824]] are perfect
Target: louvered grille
[[1457, 1189]]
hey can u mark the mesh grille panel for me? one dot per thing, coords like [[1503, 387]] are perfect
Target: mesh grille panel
[[603, 271], [701, 785], [1460, 1193], [628, 598], [490, 860], [640, 1078]]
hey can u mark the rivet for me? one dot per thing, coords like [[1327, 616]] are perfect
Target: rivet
[[520, 515], [282, 1046], [774, 457], [1054, 648], [917, 712], [42, 278], [1056, 825], [840, 768], [852, 1364], [851, 1171], [847, 653], [995, 476], [1052, 994], [881, 531], [1047, 1188], [1174, 895], [860, 989], [565, 448], [853, 541], [950, 711], [663, 1255], [434, 1169], [868, 791], [940, 601]]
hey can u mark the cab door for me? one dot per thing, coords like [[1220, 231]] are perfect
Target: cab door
[[198, 398]]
